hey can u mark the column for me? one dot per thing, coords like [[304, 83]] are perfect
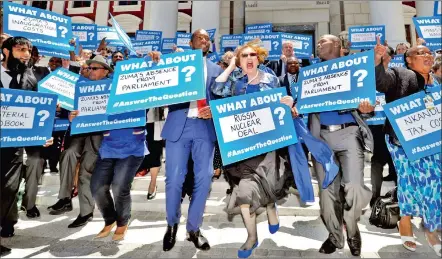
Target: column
[[424, 8], [102, 13], [205, 15], [58, 6], [390, 14], [161, 16]]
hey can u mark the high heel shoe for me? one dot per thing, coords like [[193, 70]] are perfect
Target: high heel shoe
[[437, 247], [152, 196], [118, 237], [247, 253], [274, 228], [106, 231], [405, 239]]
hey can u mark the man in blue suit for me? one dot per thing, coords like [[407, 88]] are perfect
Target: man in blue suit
[[189, 131]]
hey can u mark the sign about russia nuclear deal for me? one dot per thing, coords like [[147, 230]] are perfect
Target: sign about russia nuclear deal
[[252, 124], [141, 83], [416, 120], [337, 84], [27, 117]]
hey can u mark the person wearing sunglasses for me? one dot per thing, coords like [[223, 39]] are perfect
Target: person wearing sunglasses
[[83, 148], [253, 185], [419, 181], [116, 56]]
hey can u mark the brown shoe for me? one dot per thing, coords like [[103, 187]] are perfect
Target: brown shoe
[[120, 232], [106, 231]]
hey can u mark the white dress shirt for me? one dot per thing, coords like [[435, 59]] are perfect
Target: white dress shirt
[[193, 108], [6, 78]]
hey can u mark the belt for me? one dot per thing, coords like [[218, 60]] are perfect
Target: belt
[[332, 128]]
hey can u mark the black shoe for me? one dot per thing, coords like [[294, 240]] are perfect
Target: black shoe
[[328, 247], [81, 221], [4, 250], [388, 178], [170, 237], [152, 196], [355, 244], [33, 213], [54, 170], [60, 207], [198, 240], [7, 232]]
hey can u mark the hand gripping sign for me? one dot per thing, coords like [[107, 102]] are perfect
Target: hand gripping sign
[[337, 84], [364, 37], [87, 35], [141, 83], [259, 28], [252, 124], [429, 28], [27, 117], [91, 100], [43, 28], [379, 114], [270, 41], [148, 35], [62, 83], [416, 120], [302, 44]]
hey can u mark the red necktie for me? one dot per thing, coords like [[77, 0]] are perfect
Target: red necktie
[[201, 103]]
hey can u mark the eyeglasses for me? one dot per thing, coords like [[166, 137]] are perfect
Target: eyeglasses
[[118, 57], [95, 68], [423, 54], [245, 55]]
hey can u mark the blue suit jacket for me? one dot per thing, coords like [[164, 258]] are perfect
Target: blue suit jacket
[[176, 119]]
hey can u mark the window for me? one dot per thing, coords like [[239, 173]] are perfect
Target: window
[[40, 4], [80, 4], [127, 2]]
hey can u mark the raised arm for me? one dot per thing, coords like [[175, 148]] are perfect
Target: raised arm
[[385, 79], [222, 86]]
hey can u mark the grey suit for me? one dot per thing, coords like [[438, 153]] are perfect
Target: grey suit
[[345, 198]]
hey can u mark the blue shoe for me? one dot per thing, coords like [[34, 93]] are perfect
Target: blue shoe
[[273, 228], [247, 253]]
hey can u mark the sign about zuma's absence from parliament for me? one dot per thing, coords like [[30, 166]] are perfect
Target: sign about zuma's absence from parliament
[[252, 124], [141, 83], [43, 28], [91, 100], [337, 84], [62, 83], [416, 120], [27, 117]]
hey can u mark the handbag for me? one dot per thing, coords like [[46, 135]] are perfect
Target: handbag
[[385, 212]]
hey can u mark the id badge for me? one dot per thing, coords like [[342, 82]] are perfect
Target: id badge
[[429, 102]]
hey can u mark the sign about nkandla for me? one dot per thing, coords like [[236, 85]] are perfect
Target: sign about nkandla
[[142, 83]]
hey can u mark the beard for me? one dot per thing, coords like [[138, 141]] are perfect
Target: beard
[[15, 65]]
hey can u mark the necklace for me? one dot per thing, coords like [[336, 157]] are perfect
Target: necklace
[[257, 73]]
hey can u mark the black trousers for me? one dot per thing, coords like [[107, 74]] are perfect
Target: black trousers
[[11, 161]]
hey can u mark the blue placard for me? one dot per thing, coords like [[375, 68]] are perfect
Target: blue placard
[[231, 42], [61, 124], [259, 28], [396, 63], [27, 117], [87, 34], [252, 124], [437, 8], [211, 33], [417, 128], [429, 28], [122, 35], [146, 46], [54, 52], [337, 84], [43, 28], [214, 57], [182, 40], [302, 44], [91, 100], [141, 84], [167, 46], [109, 33], [148, 35], [62, 83], [314, 61], [379, 115], [364, 37], [270, 41]]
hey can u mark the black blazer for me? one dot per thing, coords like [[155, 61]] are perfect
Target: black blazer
[[27, 81], [284, 81]]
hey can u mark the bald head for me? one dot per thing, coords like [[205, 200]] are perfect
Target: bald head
[[329, 47], [200, 40]]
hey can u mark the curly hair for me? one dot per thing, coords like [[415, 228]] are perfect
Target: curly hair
[[256, 46]]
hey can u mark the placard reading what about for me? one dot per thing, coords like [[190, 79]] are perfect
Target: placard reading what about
[[14, 117], [246, 124], [147, 80], [326, 84]]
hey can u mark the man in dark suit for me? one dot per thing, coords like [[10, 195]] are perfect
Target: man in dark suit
[[15, 74], [189, 131], [280, 66], [291, 77]]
